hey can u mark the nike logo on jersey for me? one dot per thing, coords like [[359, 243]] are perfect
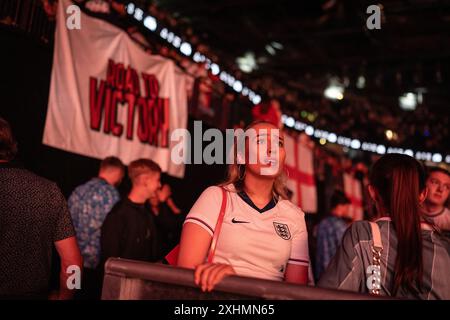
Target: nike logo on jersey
[[238, 221]]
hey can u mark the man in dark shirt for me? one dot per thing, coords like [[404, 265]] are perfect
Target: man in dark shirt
[[129, 230], [168, 219], [33, 217]]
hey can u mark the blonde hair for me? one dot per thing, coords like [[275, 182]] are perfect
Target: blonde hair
[[141, 166], [236, 171]]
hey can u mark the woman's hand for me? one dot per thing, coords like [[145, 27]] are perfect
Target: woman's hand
[[207, 275]]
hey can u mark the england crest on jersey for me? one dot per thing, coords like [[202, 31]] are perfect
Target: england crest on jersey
[[282, 230]]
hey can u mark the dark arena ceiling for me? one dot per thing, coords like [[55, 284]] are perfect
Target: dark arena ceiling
[[313, 42]]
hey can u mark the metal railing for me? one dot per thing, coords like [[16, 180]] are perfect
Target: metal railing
[[136, 280]]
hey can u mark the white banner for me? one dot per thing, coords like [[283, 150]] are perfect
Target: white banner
[[109, 97]]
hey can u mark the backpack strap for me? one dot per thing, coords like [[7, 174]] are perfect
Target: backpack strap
[[377, 248]]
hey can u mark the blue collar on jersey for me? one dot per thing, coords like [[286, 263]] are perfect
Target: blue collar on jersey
[[244, 196]]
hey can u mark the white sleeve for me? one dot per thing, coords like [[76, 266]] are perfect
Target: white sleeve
[[206, 209], [299, 247]]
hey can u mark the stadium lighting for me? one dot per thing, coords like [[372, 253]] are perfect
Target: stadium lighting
[[256, 99], [357, 144], [247, 63], [186, 49], [277, 45], [300, 126], [163, 34], [176, 42], [332, 137], [309, 130], [289, 122], [381, 149], [271, 50], [409, 153], [170, 37], [130, 8], [237, 86], [389, 134], [138, 14], [361, 82], [334, 92], [198, 57], [437, 157], [408, 101], [150, 23], [215, 70]]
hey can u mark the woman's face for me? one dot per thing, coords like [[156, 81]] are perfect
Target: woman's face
[[266, 153]]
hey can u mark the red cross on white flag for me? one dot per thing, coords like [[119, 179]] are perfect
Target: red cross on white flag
[[353, 190], [300, 169]]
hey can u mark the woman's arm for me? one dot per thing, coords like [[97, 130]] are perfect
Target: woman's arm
[[296, 274], [194, 245]]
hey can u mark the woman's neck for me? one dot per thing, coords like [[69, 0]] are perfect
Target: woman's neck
[[258, 189]]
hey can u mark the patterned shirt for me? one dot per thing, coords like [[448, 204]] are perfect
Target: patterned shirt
[[89, 204], [329, 236], [347, 270], [33, 216]]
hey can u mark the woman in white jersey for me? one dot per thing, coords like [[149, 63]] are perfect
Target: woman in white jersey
[[263, 234]]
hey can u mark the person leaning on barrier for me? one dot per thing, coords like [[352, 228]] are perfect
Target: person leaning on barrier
[[414, 260], [263, 235], [33, 217]]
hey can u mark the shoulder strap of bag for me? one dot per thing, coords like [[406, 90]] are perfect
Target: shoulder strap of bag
[[223, 207], [376, 235], [377, 247]]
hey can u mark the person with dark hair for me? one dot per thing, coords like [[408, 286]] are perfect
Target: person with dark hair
[[33, 218], [331, 230], [129, 230], [89, 204], [399, 254], [435, 207]]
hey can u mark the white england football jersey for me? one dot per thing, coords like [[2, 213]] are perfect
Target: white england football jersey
[[256, 244]]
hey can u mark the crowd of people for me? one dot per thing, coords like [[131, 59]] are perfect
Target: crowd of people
[[423, 129], [245, 226]]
